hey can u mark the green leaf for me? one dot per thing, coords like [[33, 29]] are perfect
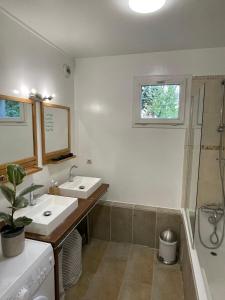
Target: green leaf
[[22, 221], [8, 193], [30, 189], [5, 217], [15, 173], [20, 202]]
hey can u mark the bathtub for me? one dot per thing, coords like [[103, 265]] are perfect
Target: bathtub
[[203, 288]]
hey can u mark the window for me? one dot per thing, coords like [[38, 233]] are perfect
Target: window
[[159, 100], [11, 111]]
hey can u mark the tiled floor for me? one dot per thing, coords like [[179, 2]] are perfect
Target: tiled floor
[[119, 271]]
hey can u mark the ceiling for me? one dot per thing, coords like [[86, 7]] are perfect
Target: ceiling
[[85, 28]]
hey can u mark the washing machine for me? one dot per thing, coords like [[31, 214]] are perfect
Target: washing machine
[[30, 275]]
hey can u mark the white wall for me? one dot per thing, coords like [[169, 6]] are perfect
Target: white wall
[[142, 165], [26, 60]]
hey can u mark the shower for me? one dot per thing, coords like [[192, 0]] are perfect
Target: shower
[[216, 212]]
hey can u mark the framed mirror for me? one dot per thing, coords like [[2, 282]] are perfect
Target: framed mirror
[[18, 132], [55, 128]]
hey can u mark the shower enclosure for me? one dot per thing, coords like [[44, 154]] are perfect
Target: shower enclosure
[[205, 186]]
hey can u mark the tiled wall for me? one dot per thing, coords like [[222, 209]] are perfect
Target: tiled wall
[[209, 186], [132, 223]]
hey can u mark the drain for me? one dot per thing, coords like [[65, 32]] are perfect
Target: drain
[[213, 253], [47, 213], [81, 187]]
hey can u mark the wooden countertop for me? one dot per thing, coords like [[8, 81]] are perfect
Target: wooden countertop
[[84, 206]]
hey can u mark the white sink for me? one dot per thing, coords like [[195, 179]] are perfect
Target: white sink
[[80, 187], [59, 207]]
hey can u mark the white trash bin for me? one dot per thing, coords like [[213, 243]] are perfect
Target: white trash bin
[[168, 247]]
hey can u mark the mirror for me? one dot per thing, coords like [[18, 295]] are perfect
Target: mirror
[[55, 125], [18, 132]]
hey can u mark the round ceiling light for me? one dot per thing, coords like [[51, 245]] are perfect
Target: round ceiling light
[[146, 6]]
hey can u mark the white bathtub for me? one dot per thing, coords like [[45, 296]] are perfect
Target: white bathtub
[[213, 267], [202, 286]]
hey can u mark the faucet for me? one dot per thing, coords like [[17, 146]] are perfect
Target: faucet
[[32, 201], [33, 197], [70, 173]]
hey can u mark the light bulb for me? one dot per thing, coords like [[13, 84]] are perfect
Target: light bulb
[[146, 6], [33, 91], [24, 90]]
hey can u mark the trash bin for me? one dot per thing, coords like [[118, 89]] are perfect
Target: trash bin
[[168, 247]]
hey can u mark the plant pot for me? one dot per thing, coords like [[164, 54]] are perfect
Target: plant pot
[[13, 241]]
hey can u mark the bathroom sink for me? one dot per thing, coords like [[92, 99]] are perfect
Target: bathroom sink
[[49, 212], [80, 187]]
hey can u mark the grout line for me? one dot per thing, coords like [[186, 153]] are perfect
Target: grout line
[[154, 274], [125, 274], [156, 225], [132, 226], [110, 222]]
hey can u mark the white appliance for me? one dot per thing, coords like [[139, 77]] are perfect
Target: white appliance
[[30, 275]]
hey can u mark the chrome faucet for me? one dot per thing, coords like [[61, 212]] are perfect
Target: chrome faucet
[[33, 196], [32, 201], [70, 173]]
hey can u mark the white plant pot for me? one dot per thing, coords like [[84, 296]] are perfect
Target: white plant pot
[[13, 242]]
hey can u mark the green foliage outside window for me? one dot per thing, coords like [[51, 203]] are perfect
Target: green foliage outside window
[[12, 109], [160, 101]]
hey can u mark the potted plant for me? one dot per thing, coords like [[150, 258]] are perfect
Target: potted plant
[[12, 234]]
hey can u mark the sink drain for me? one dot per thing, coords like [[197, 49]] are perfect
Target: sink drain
[[213, 253], [47, 213], [81, 187]]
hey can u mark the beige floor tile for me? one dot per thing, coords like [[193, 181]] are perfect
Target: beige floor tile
[[167, 284], [93, 254], [118, 251], [140, 264], [96, 248], [132, 290], [80, 289], [103, 288], [110, 274], [121, 271], [112, 271]]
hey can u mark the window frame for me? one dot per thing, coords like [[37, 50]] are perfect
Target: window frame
[[158, 80]]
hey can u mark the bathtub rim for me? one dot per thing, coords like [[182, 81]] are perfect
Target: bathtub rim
[[195, 264]]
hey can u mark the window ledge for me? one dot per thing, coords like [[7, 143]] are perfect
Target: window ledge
[[159, 126]]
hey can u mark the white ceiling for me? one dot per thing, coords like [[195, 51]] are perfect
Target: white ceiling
[[86, 28]]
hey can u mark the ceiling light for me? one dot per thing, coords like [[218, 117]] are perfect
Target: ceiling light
[[24, 91], [146, 6], [33, 91]]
